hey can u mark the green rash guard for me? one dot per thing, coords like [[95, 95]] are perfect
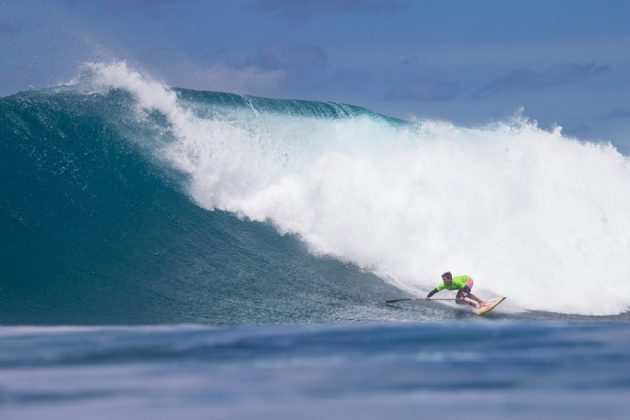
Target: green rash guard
[[458, 283]]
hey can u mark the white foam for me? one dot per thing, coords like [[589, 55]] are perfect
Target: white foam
[[528, 213]]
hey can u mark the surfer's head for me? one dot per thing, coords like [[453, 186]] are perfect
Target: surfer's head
[[447, 277]]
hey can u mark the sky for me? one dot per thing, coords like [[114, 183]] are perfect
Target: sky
[[563, 62]]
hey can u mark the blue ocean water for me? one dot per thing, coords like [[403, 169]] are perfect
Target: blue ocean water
[[497, 369], [173, 253]]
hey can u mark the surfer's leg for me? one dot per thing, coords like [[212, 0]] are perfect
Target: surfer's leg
[[467, 292], [476, 299], [461, 298]]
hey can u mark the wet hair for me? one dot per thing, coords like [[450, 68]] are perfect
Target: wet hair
[[448, 275]]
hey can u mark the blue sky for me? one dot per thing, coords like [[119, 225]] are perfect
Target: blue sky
[[471, 62]]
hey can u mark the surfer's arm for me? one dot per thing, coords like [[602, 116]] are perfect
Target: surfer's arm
[[432, 292]]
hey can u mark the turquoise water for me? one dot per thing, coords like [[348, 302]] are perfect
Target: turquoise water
[[96, 232]]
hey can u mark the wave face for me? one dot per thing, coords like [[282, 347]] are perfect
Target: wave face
[[107, 183]]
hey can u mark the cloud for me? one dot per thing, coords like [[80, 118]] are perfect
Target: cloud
[[297, 59], [409, 61], [249, 79], [303, 9], [347, 79], [272, 69], [124, 4], [424, 90], [114, 4], [617, 114], [556, 75]]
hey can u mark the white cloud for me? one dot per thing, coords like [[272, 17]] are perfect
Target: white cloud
[[249, 79]]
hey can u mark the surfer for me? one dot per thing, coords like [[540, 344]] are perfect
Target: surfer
[[463, 284]]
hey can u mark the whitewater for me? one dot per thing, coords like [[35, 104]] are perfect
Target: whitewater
[[531, 214]]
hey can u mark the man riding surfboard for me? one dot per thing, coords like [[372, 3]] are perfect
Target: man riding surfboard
[[463, 284]]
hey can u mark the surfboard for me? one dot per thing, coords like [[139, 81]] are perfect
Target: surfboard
[[492, 303]]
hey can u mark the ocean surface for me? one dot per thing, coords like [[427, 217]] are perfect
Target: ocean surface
[[184, 254], [490, 369]]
